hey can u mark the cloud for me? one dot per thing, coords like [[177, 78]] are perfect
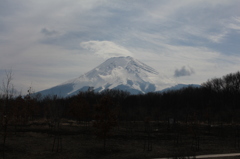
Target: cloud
[[184, 71], [47, 32], [165, 34], [235, 24], [217, 38], [105, 49]]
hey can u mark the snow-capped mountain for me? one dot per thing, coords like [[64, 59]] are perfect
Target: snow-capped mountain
[[123, 73]]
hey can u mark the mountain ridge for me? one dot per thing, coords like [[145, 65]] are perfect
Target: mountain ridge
[[123, 73]]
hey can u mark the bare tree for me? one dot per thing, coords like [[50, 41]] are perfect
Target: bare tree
[[148, 131], [105, 119], [7, 91], [55, 111]]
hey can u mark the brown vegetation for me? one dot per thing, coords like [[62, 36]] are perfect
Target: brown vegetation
[[34, 141]]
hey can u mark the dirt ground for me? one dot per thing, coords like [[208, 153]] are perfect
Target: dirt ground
[[128, 141]]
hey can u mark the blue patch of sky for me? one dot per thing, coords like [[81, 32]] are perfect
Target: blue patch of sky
[[229, 45]]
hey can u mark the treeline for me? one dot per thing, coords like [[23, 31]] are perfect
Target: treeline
[[217, 100]]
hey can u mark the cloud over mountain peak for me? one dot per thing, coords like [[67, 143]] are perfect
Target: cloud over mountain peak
[[105, 49]]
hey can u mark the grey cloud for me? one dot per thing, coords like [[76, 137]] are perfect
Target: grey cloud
[[69, 40], [180, 28], [9, 8], [47, 32], [184, 71]]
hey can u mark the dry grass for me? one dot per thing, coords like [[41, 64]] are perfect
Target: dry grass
[[78, 142]]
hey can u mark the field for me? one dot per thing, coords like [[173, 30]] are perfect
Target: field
[[128, 140]]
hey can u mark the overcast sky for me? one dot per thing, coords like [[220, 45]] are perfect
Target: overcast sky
[[48, 42]]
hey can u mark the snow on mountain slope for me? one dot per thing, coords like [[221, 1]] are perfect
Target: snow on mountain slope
[[125, 73]]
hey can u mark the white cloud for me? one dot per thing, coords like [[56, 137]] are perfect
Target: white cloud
[[204, 62], [105, 49], [217, 38], [235, 24]]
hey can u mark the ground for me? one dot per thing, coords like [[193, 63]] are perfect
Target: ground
[[129, 140]]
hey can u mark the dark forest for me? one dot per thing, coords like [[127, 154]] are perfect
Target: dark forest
[[149, 117]]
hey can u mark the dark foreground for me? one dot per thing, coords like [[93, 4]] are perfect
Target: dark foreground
[[128, 140]]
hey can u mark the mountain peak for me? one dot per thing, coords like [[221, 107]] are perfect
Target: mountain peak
[[128, 63], [124, 73]]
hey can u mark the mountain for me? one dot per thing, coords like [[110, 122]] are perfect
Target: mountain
[[123, 73], [178, 87]]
